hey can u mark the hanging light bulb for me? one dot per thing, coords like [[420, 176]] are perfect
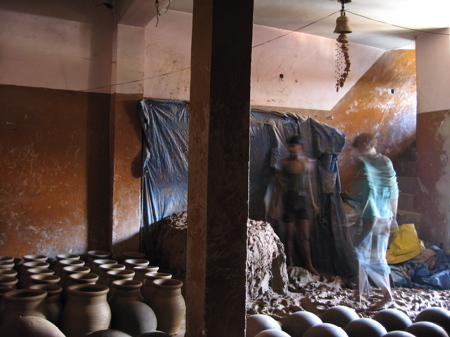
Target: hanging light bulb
[[342, 55]]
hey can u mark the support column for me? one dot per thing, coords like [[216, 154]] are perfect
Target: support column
[[218, 168]]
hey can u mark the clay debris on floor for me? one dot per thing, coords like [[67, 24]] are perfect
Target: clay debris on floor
[[317, 294], [274, 291]]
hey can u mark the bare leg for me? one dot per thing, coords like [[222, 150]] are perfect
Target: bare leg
[[290, 235], [305, 247], [382, 281]]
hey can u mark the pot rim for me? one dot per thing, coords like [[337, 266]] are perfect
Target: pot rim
[[164, 283], [88, 290], [51, 289], [126, 284], [25, 295]]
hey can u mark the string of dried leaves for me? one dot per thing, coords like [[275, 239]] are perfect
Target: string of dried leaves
[[342, 60]]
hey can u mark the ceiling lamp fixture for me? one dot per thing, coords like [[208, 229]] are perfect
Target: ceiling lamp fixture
[[342, 56]]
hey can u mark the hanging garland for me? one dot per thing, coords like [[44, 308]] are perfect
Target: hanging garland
[[342, 60]]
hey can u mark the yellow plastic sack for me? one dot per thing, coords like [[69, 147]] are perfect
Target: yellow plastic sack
[[405, 245]]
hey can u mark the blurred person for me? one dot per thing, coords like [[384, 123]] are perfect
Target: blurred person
[[377, 189], [297, 201]]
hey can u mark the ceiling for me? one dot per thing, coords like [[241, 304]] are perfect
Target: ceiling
[[385, 24]]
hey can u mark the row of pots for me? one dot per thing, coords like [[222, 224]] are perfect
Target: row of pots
[[135, 299]]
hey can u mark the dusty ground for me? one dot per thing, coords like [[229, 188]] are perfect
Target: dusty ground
[[278, 293], [317, 294]]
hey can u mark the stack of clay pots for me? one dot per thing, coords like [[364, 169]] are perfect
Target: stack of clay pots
[[75, 296], [342, 321]]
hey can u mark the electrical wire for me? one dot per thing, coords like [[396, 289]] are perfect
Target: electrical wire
[[296, 30], [266, 42]]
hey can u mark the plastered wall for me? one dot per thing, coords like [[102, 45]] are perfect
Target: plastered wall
[[433, 136], [305, 62], [71, 149], [54, 177]]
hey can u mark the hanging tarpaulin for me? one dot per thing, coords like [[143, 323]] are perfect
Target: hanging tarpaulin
[[164, 164], [165, 173]]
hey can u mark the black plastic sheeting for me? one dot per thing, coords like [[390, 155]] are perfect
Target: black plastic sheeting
[[165, 174]]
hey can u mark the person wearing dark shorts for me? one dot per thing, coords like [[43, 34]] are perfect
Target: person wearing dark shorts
[[297, 202]]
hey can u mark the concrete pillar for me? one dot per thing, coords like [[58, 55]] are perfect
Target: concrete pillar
[[218, 168], [433, 136]]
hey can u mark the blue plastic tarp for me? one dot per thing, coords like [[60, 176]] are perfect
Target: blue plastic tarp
[[165, 173]]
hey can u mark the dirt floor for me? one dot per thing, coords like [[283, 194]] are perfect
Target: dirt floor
[[317, 293], [277, 293]]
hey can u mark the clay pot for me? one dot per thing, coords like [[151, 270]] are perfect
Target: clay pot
[[108, 333], [272, 333], [147, 288], [31, 264], [6, 259], [35, 257], [140, 272], [298, 322], [398, 333], [66, 263], [86, 310], [6, 265], [131, 263], [326, 330], [104, 268], [82, 278], [8, 281], [69, 270], [168, 304], [392, 319], [24, 302], [53, 301], [125, 291], [25, 281], [366, 327], [339, 315], [60, 257], [425, 329], [133, 255], [44, 279], [114, 275], [31, 326], [259, 322], [96, 254], [78, 278], [437, 315], [133, 318], [3, 290], [98, 262], [35, 264], [8, 272]]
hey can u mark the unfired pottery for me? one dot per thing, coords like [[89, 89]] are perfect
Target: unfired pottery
[[86, 310], [168, 304], [24, 302], [53, 301]]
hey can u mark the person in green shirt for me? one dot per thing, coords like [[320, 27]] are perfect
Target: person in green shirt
[[378, 191]]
